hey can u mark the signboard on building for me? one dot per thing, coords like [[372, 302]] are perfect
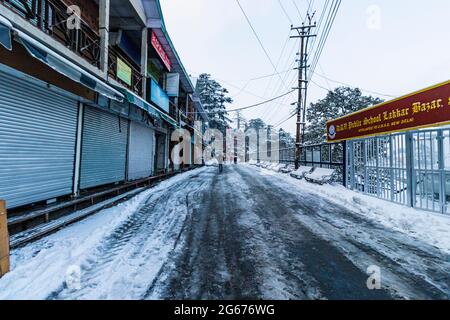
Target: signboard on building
[[123, 71], [158, 96], [172, 84], [160, 51], [425, 108]]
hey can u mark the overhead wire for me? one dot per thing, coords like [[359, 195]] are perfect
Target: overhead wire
[[258, 38]]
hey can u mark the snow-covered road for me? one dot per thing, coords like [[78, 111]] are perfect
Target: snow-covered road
[[241, 234]]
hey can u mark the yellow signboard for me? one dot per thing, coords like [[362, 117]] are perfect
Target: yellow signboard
[[123, 71]]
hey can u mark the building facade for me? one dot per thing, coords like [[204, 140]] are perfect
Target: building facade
[[90, 92]]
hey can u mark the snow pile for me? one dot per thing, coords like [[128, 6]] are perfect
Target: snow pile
[[41, 268], [212, 162], [429, 227]]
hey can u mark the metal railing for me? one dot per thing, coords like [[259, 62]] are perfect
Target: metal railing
[[136, 77], [410, 168], [327, 155], [51, 17]]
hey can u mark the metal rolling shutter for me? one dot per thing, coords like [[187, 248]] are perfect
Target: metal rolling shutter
[[140, 152], [104, 148], [37, 142]]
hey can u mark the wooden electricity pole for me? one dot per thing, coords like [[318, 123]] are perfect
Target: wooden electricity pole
[[304, 33]]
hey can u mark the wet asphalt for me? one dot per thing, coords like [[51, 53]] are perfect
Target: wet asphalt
[[246, 237]]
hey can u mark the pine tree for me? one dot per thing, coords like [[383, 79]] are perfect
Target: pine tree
[[256, 124], [337, 103], [286, 139], [214, 99]]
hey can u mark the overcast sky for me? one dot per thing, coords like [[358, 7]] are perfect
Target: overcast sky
[[408, 50]]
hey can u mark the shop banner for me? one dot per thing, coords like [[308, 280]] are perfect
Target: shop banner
[[123, 71], [158, 96], [161, 52]]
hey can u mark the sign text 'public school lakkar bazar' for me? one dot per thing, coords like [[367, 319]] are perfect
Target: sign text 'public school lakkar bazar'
[[418, 110]]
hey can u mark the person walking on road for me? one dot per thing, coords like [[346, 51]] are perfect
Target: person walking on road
[[221, 161]]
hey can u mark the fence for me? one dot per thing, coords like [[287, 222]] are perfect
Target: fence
[[325, 155], [330, 156], [410, 168]]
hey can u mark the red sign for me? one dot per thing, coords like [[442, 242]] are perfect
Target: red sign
[[161, 52], [420, 109]]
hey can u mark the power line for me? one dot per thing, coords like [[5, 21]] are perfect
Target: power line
[[258, 38], [261, 103], [248, 107], [321, 70], [275, 91], [278, 64], [237, 87], [285, 120], [298, 10], [349, 85], [321, 87], [271, 75], [326, 12], [327, 29], [285, 12], [274, 110], [269, 114]]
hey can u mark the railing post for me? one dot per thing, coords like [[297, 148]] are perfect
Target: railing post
[[391, 167], [4, 240], [104, 34], [409, 170], [351, 164], [442, 178], [344, 162]]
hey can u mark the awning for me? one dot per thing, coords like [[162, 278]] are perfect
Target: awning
[[67, 68], [5, 33], [169, 120], [139, 102]]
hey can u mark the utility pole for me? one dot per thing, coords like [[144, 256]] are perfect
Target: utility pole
[[304, 33], [238, 120]]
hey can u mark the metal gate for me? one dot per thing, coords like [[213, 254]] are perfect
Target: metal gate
[[410, 168], [104, 148], [37, 141]]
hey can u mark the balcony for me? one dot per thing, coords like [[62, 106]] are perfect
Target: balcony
[[135, 79], [50, 16]]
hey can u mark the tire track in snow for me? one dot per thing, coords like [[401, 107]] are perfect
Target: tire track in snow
[[365, 243], [212, 262], [313, 264], [119, 266]]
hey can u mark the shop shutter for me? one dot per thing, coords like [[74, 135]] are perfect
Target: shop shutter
[[37, 141], [141, 151], [104, 148]]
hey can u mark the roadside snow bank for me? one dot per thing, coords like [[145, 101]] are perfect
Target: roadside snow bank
[[429, 227], [40, 268]]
